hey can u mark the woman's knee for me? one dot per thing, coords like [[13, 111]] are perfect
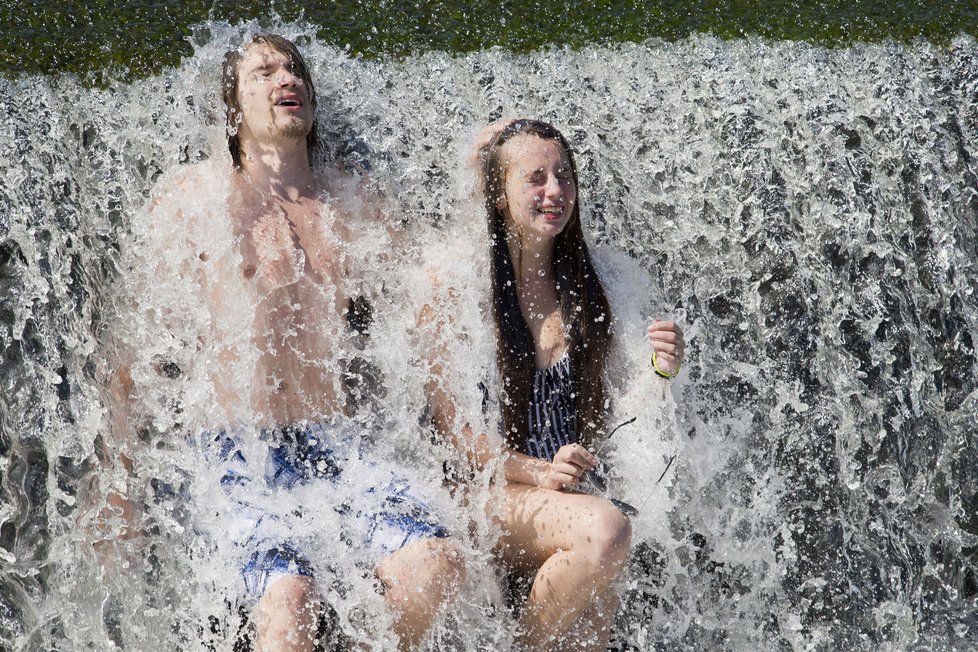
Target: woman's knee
[[610, 536]]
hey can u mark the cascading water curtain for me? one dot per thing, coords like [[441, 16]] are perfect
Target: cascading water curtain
[[808, 214]]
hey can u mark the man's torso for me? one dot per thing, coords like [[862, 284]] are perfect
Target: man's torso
[[279, 300]]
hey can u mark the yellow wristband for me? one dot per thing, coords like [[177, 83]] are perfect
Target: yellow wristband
[[660, 372]]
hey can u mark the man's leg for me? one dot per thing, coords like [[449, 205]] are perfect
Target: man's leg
[[287, 616], [419, 580]]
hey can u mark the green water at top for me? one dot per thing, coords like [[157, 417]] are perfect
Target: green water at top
[[100, 39]]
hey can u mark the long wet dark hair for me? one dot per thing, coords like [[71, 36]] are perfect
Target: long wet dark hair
[[229, 88], [583, 305]]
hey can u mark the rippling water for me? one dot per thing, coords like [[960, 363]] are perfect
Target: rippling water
[[808, 214]]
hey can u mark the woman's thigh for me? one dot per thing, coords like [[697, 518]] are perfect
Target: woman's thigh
[[536, 523]]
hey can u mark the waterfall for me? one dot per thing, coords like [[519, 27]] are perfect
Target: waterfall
[[808, 214]]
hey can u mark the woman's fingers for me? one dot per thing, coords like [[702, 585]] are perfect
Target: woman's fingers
[[668, 346], [570, 462], [667, 358], [577, 455], [566, 474], [667, 332], [560, 476], [486, 136], [666, 338], [665, 347], [664, 326]]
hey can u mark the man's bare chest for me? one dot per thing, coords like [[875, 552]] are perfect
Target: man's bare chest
[[280, 247]]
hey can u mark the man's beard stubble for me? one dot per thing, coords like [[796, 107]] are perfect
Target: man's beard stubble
[[295, 129]]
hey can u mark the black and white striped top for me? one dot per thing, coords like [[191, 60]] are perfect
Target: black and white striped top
[[552, 416]]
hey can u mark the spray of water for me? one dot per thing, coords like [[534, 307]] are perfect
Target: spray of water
[[807, 214]]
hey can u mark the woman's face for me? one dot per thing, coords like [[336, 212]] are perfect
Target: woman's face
[[539, 189]]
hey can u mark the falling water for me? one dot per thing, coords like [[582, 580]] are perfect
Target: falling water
[[808, 214]]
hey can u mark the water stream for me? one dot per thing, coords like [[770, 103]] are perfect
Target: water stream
[[808, 214]]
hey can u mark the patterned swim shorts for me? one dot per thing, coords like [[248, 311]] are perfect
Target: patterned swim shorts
[[385, 517]]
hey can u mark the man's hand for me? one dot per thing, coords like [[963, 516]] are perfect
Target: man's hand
[[569, 463], [668, 346]]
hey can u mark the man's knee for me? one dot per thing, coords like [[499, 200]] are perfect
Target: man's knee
[[435, 567], [290, 591], [287, 616], [448, 565]]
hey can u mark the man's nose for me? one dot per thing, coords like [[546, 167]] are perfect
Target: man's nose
[[286, 78]]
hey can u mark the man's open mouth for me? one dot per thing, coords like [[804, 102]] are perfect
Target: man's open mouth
[[288, 101]]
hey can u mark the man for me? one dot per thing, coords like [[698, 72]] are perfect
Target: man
[[279, 324]]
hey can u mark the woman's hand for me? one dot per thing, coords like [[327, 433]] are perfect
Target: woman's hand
[[569, 463], [485, 138], [668, 346]]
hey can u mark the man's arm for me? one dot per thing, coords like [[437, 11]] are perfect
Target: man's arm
[[150, 254], [432, 324], [116, 517]]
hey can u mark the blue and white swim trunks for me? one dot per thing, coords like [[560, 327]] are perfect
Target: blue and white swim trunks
[[315, 491]]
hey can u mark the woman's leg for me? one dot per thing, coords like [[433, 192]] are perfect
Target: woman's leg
[[419, 580], [287, 616], [593, 628], [578, 542]]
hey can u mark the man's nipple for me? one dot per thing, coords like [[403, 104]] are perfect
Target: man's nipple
[[249, 271]]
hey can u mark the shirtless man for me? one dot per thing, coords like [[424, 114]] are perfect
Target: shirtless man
[[273, 275]]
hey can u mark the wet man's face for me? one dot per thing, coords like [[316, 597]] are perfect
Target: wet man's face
[[274, 100]]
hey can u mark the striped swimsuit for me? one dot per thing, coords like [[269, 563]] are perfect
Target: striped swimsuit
[[552, 416], [553, 423]]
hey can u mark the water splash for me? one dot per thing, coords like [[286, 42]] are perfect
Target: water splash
[[809, 214]]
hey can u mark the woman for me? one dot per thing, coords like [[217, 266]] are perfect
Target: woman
[[553, 326]]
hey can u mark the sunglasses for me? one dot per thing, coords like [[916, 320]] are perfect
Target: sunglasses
[[594, 481]]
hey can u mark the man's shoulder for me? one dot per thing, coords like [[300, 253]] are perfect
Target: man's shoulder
[[185, 198], [354, 199], [191, 179]]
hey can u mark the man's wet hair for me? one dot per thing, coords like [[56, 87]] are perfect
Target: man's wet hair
[[229, 88]]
